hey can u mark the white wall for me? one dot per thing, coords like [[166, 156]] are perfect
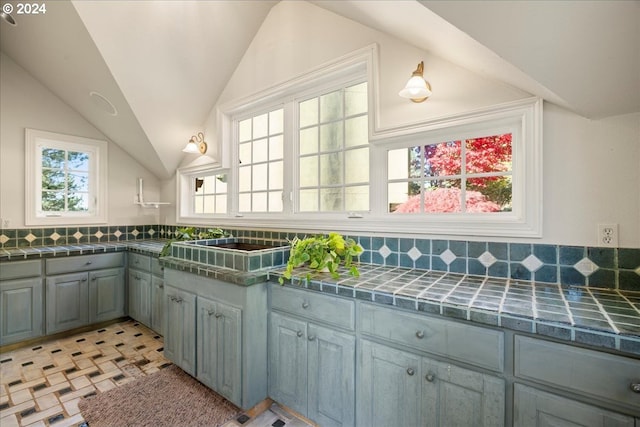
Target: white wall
[[591, 167], [25, 103]]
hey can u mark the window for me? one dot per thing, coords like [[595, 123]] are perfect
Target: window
[[65, 179], [308, 154], [210, 194], [260, 158], [469, 176], [333, 151]]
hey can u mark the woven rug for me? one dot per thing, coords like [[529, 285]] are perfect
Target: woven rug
[[169, 397]]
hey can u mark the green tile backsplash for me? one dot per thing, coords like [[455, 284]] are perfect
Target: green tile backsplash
[[615, 268]]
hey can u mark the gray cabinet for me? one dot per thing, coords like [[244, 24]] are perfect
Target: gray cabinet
[[533, 408], [312, 365], [106, 295], [146, 291], [85, 289], [231, 349], [140, 296], [21, 301], [401, 388], [67, 302], [219, 328], [180, 328]]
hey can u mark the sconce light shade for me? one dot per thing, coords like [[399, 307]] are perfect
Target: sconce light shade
[[417, 88], [196, 145]]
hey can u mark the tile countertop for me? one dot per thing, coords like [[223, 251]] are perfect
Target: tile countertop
[[604, 318]]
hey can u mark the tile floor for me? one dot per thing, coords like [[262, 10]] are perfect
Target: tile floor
[[41, 385]]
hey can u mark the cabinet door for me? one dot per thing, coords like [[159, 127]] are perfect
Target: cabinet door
[[536, 408], [331, 377], [180, 329], [206, 344], [20, 310], [388, 386], [67, 302], [452, 396], [140, 296], [288, 362], [106, 294], [157, 304]]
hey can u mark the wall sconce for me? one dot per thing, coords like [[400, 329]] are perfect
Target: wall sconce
[[196, 145], [417, 88]]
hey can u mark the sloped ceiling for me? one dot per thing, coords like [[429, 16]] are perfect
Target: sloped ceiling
[[163, 64]]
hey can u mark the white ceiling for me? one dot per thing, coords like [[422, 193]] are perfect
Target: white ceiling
[[163, 64]]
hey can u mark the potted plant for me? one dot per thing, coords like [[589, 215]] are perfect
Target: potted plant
[[323, 253], [189, 233]]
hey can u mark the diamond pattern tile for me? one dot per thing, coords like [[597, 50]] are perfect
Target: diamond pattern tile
[[414, 253], [585, 266], [55, 236], [3, 239], [487, 259], [135, 232], [117, 233], [99, 234], [447, 256], [30, 238], [384, 251], [532, 263], [78, 235]]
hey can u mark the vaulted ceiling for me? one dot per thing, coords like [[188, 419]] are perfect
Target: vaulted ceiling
[[147, 73]]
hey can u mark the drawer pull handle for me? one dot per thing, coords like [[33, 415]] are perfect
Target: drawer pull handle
[[299, 334], [420, 334], [161, 286], [179, 300], [635, 387], [218, 315], [410, 371], [305, 305], [88, 263], [312, 337], [211, 312], [84, 280], [430, 377]]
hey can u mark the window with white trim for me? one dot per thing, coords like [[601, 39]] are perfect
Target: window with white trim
[[65, 179], [210, 193], [340, 172]]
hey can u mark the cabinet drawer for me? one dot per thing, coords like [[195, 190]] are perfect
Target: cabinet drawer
[[139, 262], [84, 263], [590, 372], [156, 268], [324, 308], [466, 343], [20, 269]]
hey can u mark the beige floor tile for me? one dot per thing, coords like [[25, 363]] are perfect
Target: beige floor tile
[[74, 420], [20, 396], [9, 421], [56, 378], [108, 367], [47, 401], [78, 393], [17, 408], [81, 372], [36, 424], [53, 388], [25, 385], [80, 382], [71, 407], [41, 416], [105, 385]]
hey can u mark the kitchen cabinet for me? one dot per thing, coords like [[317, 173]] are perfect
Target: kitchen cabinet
[[534, 408], [219, 328], [312, 365], [21, 301], [402, 388], [428, 391], [94, 292], [231, 349], [180, 328], [146, 291], [605, 381]]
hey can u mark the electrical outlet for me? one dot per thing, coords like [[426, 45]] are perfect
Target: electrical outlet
[[608, 235]]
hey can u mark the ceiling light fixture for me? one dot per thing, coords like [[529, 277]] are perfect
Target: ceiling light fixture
[[417, 88], [196, 145]]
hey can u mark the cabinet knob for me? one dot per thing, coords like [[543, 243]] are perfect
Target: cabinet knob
[[299, 334], [161, 286], [93, 279], [635, 387], [179, 300], [430, 377], [312, 337], [410, 371], [211, 312], [420, 334], [218, 315], [84, 280], [305, 305], [88, 263]]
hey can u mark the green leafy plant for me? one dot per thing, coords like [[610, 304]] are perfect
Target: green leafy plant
[[191, 233], [323, 253]]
